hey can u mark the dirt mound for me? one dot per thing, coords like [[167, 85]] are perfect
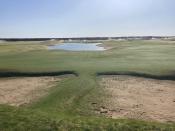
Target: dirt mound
[[138, 98]]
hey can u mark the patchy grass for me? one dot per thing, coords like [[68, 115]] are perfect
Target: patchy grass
[[20, 119]]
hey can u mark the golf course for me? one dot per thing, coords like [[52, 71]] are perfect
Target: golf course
[[129, 86]]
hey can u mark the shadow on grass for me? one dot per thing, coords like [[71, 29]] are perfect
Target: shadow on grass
[[36, 74], [137, 74]]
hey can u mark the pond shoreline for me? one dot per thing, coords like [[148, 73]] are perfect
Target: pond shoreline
[[77, 47]]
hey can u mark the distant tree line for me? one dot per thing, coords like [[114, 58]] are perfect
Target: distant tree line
[[87, 38]]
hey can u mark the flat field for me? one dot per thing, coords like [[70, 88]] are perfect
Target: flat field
[[79, 101]]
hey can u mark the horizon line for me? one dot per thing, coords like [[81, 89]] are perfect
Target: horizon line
[[87, 37]]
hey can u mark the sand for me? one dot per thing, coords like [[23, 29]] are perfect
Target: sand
[[138, 98], [24, 90]]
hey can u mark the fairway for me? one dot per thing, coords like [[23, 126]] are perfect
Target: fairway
[[73, 99]]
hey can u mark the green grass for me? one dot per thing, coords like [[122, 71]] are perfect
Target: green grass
[[68, 105]]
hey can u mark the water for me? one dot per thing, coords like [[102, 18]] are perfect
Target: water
[[77, 47]]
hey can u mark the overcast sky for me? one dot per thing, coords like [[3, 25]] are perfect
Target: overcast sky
[[82, 18]]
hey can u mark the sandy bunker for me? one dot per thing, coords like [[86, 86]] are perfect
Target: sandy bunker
[[138, 98], [24, 90]]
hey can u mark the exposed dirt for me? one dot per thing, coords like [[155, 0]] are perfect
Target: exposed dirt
[[138, 98], [24, 90]]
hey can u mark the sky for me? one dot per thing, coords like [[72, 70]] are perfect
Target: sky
[[86, 18]]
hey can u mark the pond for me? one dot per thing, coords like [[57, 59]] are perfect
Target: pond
[[77, 47]]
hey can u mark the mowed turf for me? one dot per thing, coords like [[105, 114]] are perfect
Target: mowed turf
[[68, 106]]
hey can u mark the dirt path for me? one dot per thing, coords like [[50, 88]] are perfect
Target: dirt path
[[139, 98], [23, 90]]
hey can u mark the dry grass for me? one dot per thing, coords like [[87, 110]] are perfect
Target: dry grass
[[139, 98]]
